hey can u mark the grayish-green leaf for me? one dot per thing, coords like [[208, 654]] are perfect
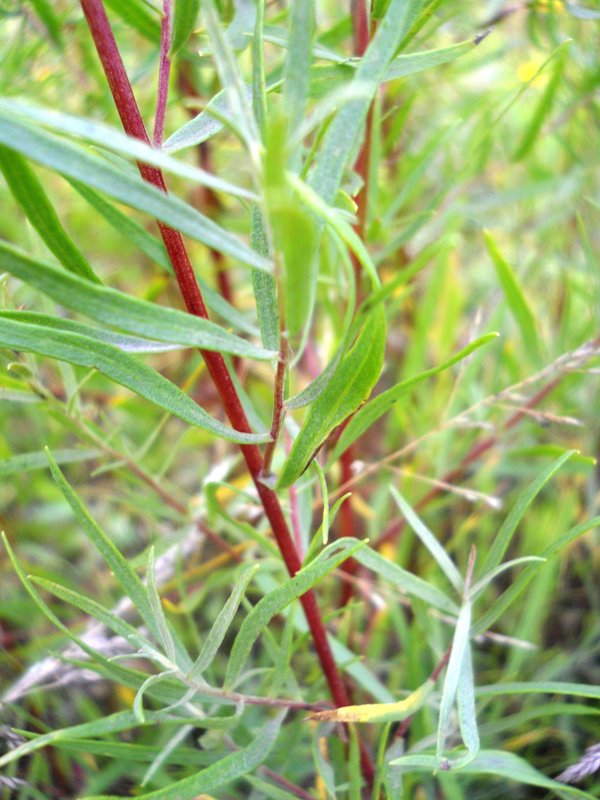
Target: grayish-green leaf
[[429, 540], [119, 367], [115, 308], [26, 462], [275, 601]]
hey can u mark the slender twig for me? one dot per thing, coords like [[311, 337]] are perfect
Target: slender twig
[[278, 405], [133, 124], [164, 72]]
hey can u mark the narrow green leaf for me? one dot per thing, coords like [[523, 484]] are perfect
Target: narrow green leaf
[[259, 84], [112, 307], [350, 385], [161, 625], [115, 141], [112, 621], [540, 687], [184, 22], [218, 631], [275, 601], [26, 462], [204, 125], [231, 80], [74, 161], [515, 298], [227, 769], [119, 367], [405, 581], [122, 570], [409, 64], [465, 704], [138, 14], [128, 344], [264, 287], [341, 139], [520, 583], [541, 111], [297, 65], [460, 646], [429, 540], [155, 251], [378, 406], [478, 588], [44, 11], [30, 195], [509, 526]]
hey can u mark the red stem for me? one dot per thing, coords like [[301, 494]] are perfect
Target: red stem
[[164, 71], [192, 296]]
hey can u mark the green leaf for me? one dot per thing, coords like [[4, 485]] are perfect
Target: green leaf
[[539, 687], [204, 125], [543, 108], [429, 540], [297, 65], [378, 406], [43, 9], [460, 651], [350, 385], [122, 570], [259, 83], [76, 162], [184, 22], [155, 251], [115, 308], [406, 582], [230, 768], [218, 631], [264, 287], [509, 526], [341, 139], [412, 63], [128, 344], [26, 462], [519, 584], [119, 367], [275, 601], [112, 621], [515, 298], [29, 194], [137, 14]]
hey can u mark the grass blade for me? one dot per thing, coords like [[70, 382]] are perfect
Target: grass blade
[[454, 674], [429, 540], [508, 527], [26, 462], [516, 299]]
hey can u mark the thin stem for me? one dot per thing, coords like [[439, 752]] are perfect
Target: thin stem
[[164, 72], [192, 296], [278, 405]]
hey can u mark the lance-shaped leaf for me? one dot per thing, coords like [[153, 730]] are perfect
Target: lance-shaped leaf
[[184, 21], [74, 161], [274, 602], [350, 385], [378, 712], [115, 308], [119, 367], [30, 195], [378, 406]]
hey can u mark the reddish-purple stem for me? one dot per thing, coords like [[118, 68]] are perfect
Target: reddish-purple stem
[[133, 124], [164, 72]]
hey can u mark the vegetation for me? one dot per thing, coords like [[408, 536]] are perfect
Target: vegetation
[[297, 457]]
